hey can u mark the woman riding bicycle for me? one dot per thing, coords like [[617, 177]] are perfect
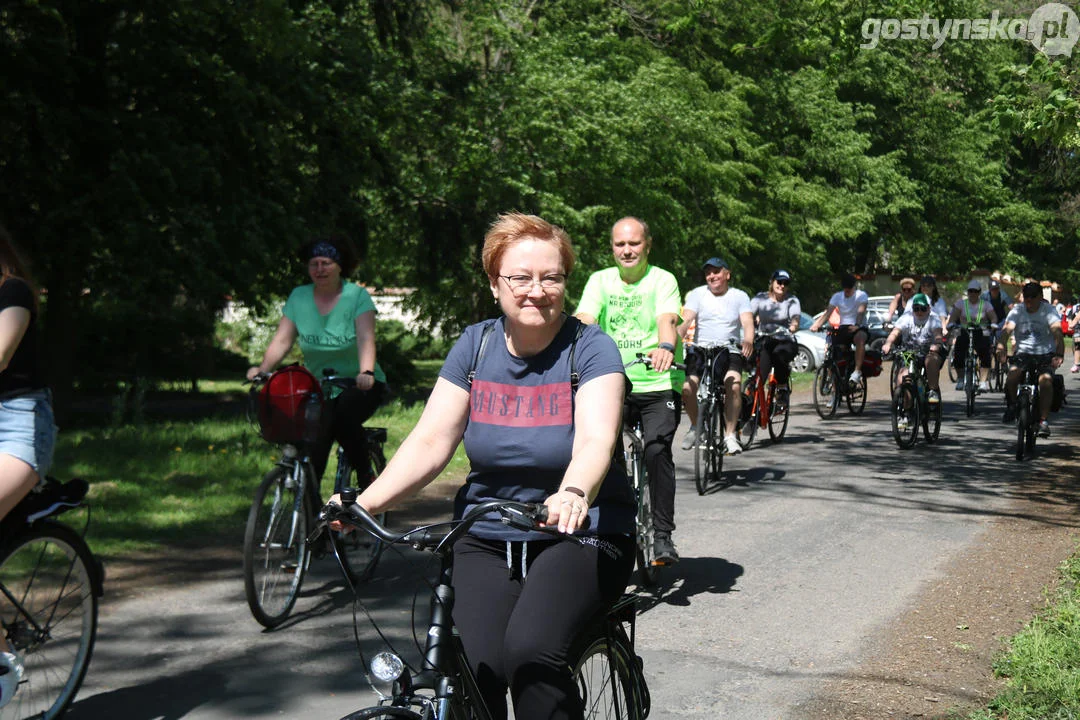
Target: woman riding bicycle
[[521, 596], [921, 330], [334, 321], [775, 310], [27, 430]]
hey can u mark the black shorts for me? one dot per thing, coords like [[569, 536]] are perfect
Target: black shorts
[[844, 335], [1042, 362], [724, 361]]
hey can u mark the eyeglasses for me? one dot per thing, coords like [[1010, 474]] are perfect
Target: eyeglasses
[[523, 284], [783, 282], [320, 264], [920, 308], [908, 288]]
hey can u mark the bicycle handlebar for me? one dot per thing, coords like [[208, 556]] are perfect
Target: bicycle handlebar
[[643, 359], [522, 516]]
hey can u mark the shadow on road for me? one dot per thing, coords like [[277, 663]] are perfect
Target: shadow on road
[[691, 576]]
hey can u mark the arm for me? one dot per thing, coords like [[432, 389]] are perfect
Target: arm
[[279, 347], [1003, 339], [889, 341], [860, 315], [747, 320], [1059, 345], [14, 322], [894, 306], [823, 319], [597, 419], [665, 329], [365, 347], [586, 318], [688, 318], [425, 452]]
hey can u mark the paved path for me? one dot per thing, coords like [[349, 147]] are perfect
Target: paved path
[[786, 574]]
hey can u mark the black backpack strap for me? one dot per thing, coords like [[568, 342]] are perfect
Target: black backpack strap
[[485, 334], [575, 376]]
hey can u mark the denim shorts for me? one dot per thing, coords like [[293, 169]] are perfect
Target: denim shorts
[[27, 429]]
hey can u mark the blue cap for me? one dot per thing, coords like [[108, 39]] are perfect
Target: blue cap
[[716, 263]]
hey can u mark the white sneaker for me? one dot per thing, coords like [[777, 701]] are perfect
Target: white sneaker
[[731, 445], [856, 376], [984, 387], [12, 668], [902, 424], [689, 440]]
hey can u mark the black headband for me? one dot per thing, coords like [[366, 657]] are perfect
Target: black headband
[[325, 249]]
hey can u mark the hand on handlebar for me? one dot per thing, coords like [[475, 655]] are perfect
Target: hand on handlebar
[[747, 348], [661, 359], [566, 511], [365, 381], [253, 372]]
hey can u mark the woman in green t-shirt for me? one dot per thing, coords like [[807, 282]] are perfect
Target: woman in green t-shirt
[[334, 322]]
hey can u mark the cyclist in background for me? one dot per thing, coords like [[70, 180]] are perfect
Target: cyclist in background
[[27, 429], [901, 299], [721, 315], [1036, 328], [920, 330], [773, 310], [1001, 302], [851, 304], [973, 310], [522, 596], [334, 321], [637, 304], [928, 287]]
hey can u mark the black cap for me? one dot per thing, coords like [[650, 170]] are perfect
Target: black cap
[[716, 263], [848, 281], [781, 275], [994, 284]]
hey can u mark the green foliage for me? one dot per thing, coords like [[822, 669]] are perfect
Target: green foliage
[[1042, 665]]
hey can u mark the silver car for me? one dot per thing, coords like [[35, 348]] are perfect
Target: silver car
[[811, 346]]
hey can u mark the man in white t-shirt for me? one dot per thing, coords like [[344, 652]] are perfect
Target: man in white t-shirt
[[1037, 329], [851, 304], [722, 316]]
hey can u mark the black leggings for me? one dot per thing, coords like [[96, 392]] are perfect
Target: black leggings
[[776, 355], [342, 420], [660, 410], [518, 627]]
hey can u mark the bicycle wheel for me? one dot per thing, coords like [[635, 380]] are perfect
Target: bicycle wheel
[[377, 713], [905, 416], [954, 374], [997, 375], [49, 615], [646, 549], [1032, 424], [826, 391], [970, 385], [359, 550], [275, 551], [930, 413], [778, 415], [894, 376], [1023, 419], [748, 415], [856, 396], [605, 675], [709, 453]]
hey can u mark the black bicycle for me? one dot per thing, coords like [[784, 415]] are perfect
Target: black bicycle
[[709, 448], [970, 373], [911, 406], [833, 380], [607, 669], [50, 583], [1026, 402], [276, 558]]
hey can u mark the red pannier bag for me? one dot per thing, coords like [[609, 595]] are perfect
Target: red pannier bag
[[290, 404], [871, 363]]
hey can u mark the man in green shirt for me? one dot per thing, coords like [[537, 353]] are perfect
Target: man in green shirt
[[638, 305]]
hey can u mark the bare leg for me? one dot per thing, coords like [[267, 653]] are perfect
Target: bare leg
[[16, 480], [933, 370], [689, 398], [732, 402], [1046, 396]]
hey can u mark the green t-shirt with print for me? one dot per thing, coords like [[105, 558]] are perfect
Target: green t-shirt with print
[[329, 341], [628, 313]]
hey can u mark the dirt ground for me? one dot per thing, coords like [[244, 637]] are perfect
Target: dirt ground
[[936, 660]]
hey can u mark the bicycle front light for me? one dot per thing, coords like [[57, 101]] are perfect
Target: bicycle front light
[[387, 667]]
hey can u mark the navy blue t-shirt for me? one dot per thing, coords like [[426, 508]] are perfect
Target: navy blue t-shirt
[[520, 434]]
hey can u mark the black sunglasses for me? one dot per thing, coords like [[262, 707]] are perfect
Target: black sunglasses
[[920, 308], [782, 282]]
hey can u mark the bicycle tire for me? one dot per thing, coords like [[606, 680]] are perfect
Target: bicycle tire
[[970, 386], [954, 374], [778, 417], [49, 570], [931, 421], [1023, 416], [747, 426], [894, 376], [275, 552], [826, 391], [997, 375], [646, 548], [387, 711], [905, 405], [1032, 424], [605, 674], [705, 439], [856, 396], [359, 550]]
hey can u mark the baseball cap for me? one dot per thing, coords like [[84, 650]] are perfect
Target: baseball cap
[[974, 285], [919, 299], [781, 275], [716, 263], [994, 284]]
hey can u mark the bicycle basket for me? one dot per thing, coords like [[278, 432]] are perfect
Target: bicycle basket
[[871, 364], [290, 405]]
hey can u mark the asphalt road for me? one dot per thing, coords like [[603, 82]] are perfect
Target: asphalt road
[[786, 575]]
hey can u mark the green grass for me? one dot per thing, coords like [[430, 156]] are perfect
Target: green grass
[[186, 483], [1042, 664]]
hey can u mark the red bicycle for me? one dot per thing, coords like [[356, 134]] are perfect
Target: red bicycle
[[761, 404]]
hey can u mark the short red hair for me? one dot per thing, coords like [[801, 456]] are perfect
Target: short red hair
[[512, 228]]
